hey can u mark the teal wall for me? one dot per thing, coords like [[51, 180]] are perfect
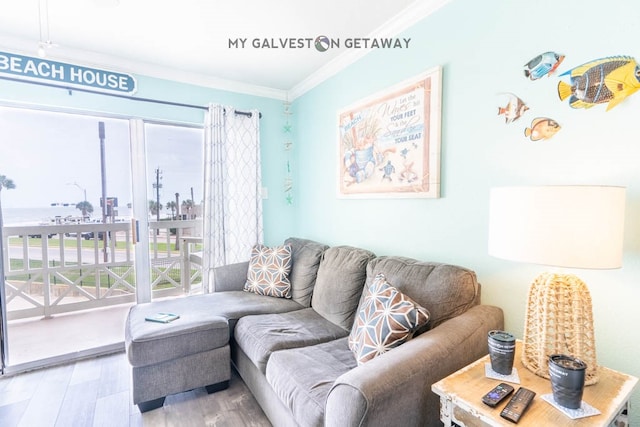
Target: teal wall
[[276, 212], [482, 47]]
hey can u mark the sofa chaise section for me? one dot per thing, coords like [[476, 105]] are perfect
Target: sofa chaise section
[[192, 351], [189, 352]]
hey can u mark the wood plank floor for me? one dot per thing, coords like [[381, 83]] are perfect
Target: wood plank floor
[[97, 392]]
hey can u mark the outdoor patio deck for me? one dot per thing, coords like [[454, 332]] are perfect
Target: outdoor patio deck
[[71, 335], [68, 295]]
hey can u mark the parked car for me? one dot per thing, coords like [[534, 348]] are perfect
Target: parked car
[[39, 236], [88, 235]]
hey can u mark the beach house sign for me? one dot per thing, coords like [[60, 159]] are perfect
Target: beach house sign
[[66, 75]]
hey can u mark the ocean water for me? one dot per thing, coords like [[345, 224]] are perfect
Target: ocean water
[[45, 215]]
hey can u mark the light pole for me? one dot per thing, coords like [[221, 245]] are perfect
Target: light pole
[[193, 204], [103, 171], [178, 216], [158, 186]]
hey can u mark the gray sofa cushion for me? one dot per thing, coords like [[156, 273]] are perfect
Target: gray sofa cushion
[[230, 277], [303, 377], [340, 283], [306, 256], [259, 336], [194, 332], [236, 304], [446, 291]]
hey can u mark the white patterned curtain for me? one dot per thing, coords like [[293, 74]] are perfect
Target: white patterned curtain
[[232, 188]]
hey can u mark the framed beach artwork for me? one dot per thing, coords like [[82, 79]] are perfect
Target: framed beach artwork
[[390, 141]]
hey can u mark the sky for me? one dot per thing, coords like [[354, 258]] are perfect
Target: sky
[[54, 157]]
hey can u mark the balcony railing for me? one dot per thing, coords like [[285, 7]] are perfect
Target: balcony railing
[[52, 269]]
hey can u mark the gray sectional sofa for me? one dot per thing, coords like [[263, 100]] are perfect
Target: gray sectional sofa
[[293, 354]]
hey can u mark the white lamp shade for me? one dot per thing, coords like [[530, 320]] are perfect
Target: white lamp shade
[[566, 226]]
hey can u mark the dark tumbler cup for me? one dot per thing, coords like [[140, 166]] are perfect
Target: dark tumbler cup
[[502, 351], [567, 380]]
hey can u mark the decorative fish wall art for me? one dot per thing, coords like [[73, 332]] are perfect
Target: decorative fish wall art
[[514, 109], [541, 128], [610, 80], [542, 65], [607, 80]]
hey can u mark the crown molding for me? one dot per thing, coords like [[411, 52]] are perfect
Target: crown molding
[[405, 19]]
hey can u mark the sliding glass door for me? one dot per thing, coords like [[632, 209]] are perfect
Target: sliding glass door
[[167, 191], [72, 255], [175, 177], [68, 258]]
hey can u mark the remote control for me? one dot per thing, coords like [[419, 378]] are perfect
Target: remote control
[[518, 405], [497, 394]]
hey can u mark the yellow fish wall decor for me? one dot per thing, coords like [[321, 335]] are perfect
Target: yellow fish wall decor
[[604, 80], [541, 128]]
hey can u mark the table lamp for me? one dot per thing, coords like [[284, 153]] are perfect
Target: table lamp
[[563, 226]]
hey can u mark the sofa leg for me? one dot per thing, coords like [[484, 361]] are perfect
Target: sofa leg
[[212, 388], [150, 405]]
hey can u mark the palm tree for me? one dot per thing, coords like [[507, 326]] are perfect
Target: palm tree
[[9, 185], [154, 207], [172, 205], [85, 207], [6, 183], [188, 205]]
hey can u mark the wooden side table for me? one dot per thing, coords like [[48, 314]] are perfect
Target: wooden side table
[[461, 393]]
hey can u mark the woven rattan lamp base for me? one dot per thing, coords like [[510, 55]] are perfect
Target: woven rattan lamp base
[[559, 320]]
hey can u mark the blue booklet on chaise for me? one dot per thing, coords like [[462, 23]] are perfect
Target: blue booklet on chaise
[[162, 317]]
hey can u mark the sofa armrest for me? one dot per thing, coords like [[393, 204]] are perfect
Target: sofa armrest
[[230, 277], [395, 387]]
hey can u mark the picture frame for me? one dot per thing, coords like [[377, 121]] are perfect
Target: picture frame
[[389, 142]]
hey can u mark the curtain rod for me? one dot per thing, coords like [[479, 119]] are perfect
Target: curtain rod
[[117, 95]]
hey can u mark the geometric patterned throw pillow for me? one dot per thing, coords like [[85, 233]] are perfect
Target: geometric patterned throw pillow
[[386, 319], [268, 272]]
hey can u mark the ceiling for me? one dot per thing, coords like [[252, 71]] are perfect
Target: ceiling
[[191, 40]]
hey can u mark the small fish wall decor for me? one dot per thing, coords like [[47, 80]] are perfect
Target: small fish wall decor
[[542, 65], [541, 128], [600, 81], [514, 109]]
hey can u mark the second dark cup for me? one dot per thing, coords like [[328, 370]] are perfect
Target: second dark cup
[[567, 380], [502, 350]]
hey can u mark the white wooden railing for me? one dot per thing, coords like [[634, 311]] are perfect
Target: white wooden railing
[[70, 267]]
